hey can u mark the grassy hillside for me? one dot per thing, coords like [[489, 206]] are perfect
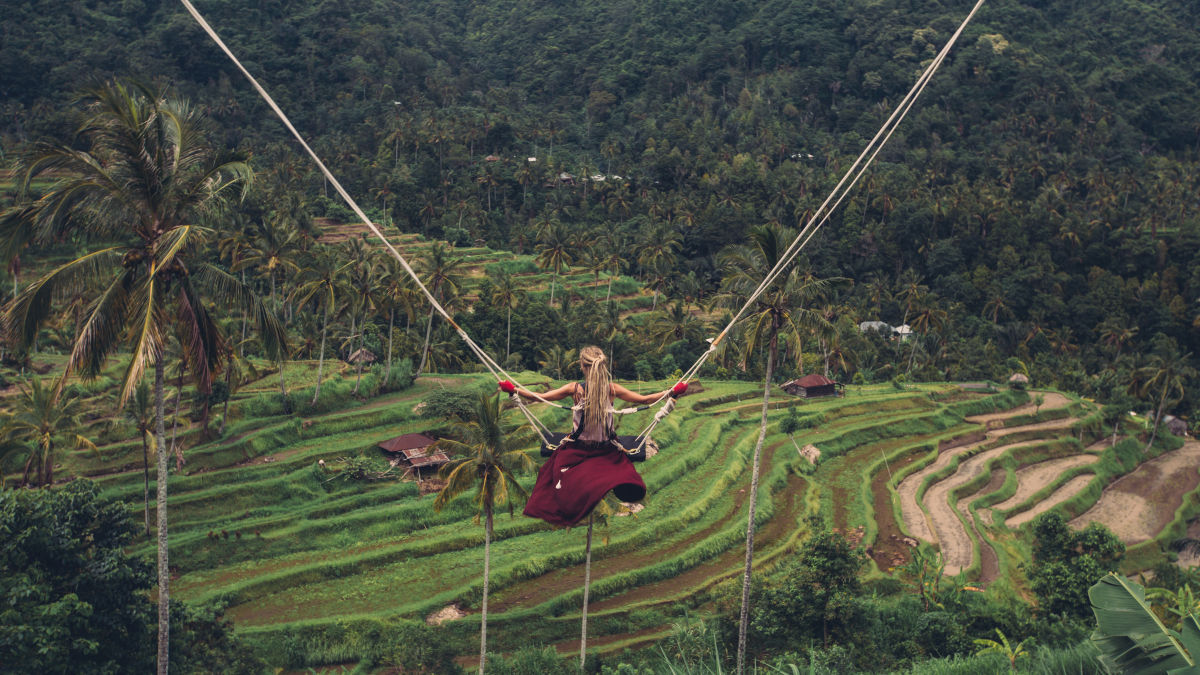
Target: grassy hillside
[[315, 566]]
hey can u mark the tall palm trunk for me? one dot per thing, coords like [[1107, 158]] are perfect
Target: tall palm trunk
[[321, 358], [228, 395], [48, 461], [160, 482], [425, 348], [1162, 404], [744, 621], [508, 335], [387, 377], [175, 421], [587, 586], [287, 408], [608, 296], [245, 320], [487, 571], [362, 341], [146, 475]]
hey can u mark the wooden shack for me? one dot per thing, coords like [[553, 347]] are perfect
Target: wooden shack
[[812, 386], [416, 452]]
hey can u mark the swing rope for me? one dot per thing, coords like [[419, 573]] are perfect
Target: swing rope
[[815, 222], [492, 366], [832, 202]]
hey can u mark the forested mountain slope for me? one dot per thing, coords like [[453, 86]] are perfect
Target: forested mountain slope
[[1039, 204]]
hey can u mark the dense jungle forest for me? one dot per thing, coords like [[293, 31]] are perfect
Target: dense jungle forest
[[572, 173], [1039, 204]]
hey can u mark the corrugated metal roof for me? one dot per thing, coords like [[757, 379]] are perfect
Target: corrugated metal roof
[[407, 442]]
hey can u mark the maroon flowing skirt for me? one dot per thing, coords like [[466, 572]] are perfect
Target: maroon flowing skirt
[[576, 477]]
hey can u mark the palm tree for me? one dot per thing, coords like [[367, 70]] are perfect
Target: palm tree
[[396, 291], [554, 251], [1165, 375], [556, 361], [323, 282], [656, 253], [362, 277], [673, 325], [440, 269], [271, 250], [148, 176], [506, 294], [42, 415], [1116, 335], [781, 309], [611, 249], [492, 454], [927, 316], [909, 290]]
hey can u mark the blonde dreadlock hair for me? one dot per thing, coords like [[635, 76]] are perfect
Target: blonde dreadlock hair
[[596, 390]]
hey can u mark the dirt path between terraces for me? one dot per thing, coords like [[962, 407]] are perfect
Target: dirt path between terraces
[[1139, 505], [939, 521], [1050, 401], [949, 530], [1035, 477], [1062, 494]]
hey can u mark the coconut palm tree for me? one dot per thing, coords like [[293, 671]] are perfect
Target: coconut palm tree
[[41, 417], [673, 325], [611, 252], [556, 361], [553, 251], [506, 294], [362, 281], [440, 269], [323, 282], [656, 252], [146, 180], [397, 291], [489, 455], [1164, 379], [271, 249], [782, 309]]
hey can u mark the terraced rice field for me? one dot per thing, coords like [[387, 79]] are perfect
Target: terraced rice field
[[627, 293], [298, 557], [968, 497]]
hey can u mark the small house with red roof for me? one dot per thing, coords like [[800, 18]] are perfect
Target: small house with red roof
[[812, 386]]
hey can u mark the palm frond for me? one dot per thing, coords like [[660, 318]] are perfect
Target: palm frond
[[230, 291], [149, 340], [100, 331], [26, 313], [198, 334]]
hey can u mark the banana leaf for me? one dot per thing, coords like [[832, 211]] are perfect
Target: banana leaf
[[1130, 637]]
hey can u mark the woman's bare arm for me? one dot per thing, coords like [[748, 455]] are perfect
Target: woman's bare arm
[[552, 395], [634, 397]]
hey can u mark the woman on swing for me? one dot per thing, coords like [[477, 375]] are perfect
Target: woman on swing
[[589, 462]]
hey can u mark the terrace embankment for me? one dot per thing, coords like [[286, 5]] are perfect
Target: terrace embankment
[[936, 517]]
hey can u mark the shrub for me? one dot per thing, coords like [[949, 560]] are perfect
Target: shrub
[[399, 378], [450, 404]]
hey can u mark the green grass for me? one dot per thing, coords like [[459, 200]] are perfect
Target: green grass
[[317, 570]]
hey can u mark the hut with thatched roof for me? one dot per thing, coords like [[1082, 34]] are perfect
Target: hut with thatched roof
[[364, 355]]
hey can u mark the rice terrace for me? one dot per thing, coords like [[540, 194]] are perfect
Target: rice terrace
[[625, 338]]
